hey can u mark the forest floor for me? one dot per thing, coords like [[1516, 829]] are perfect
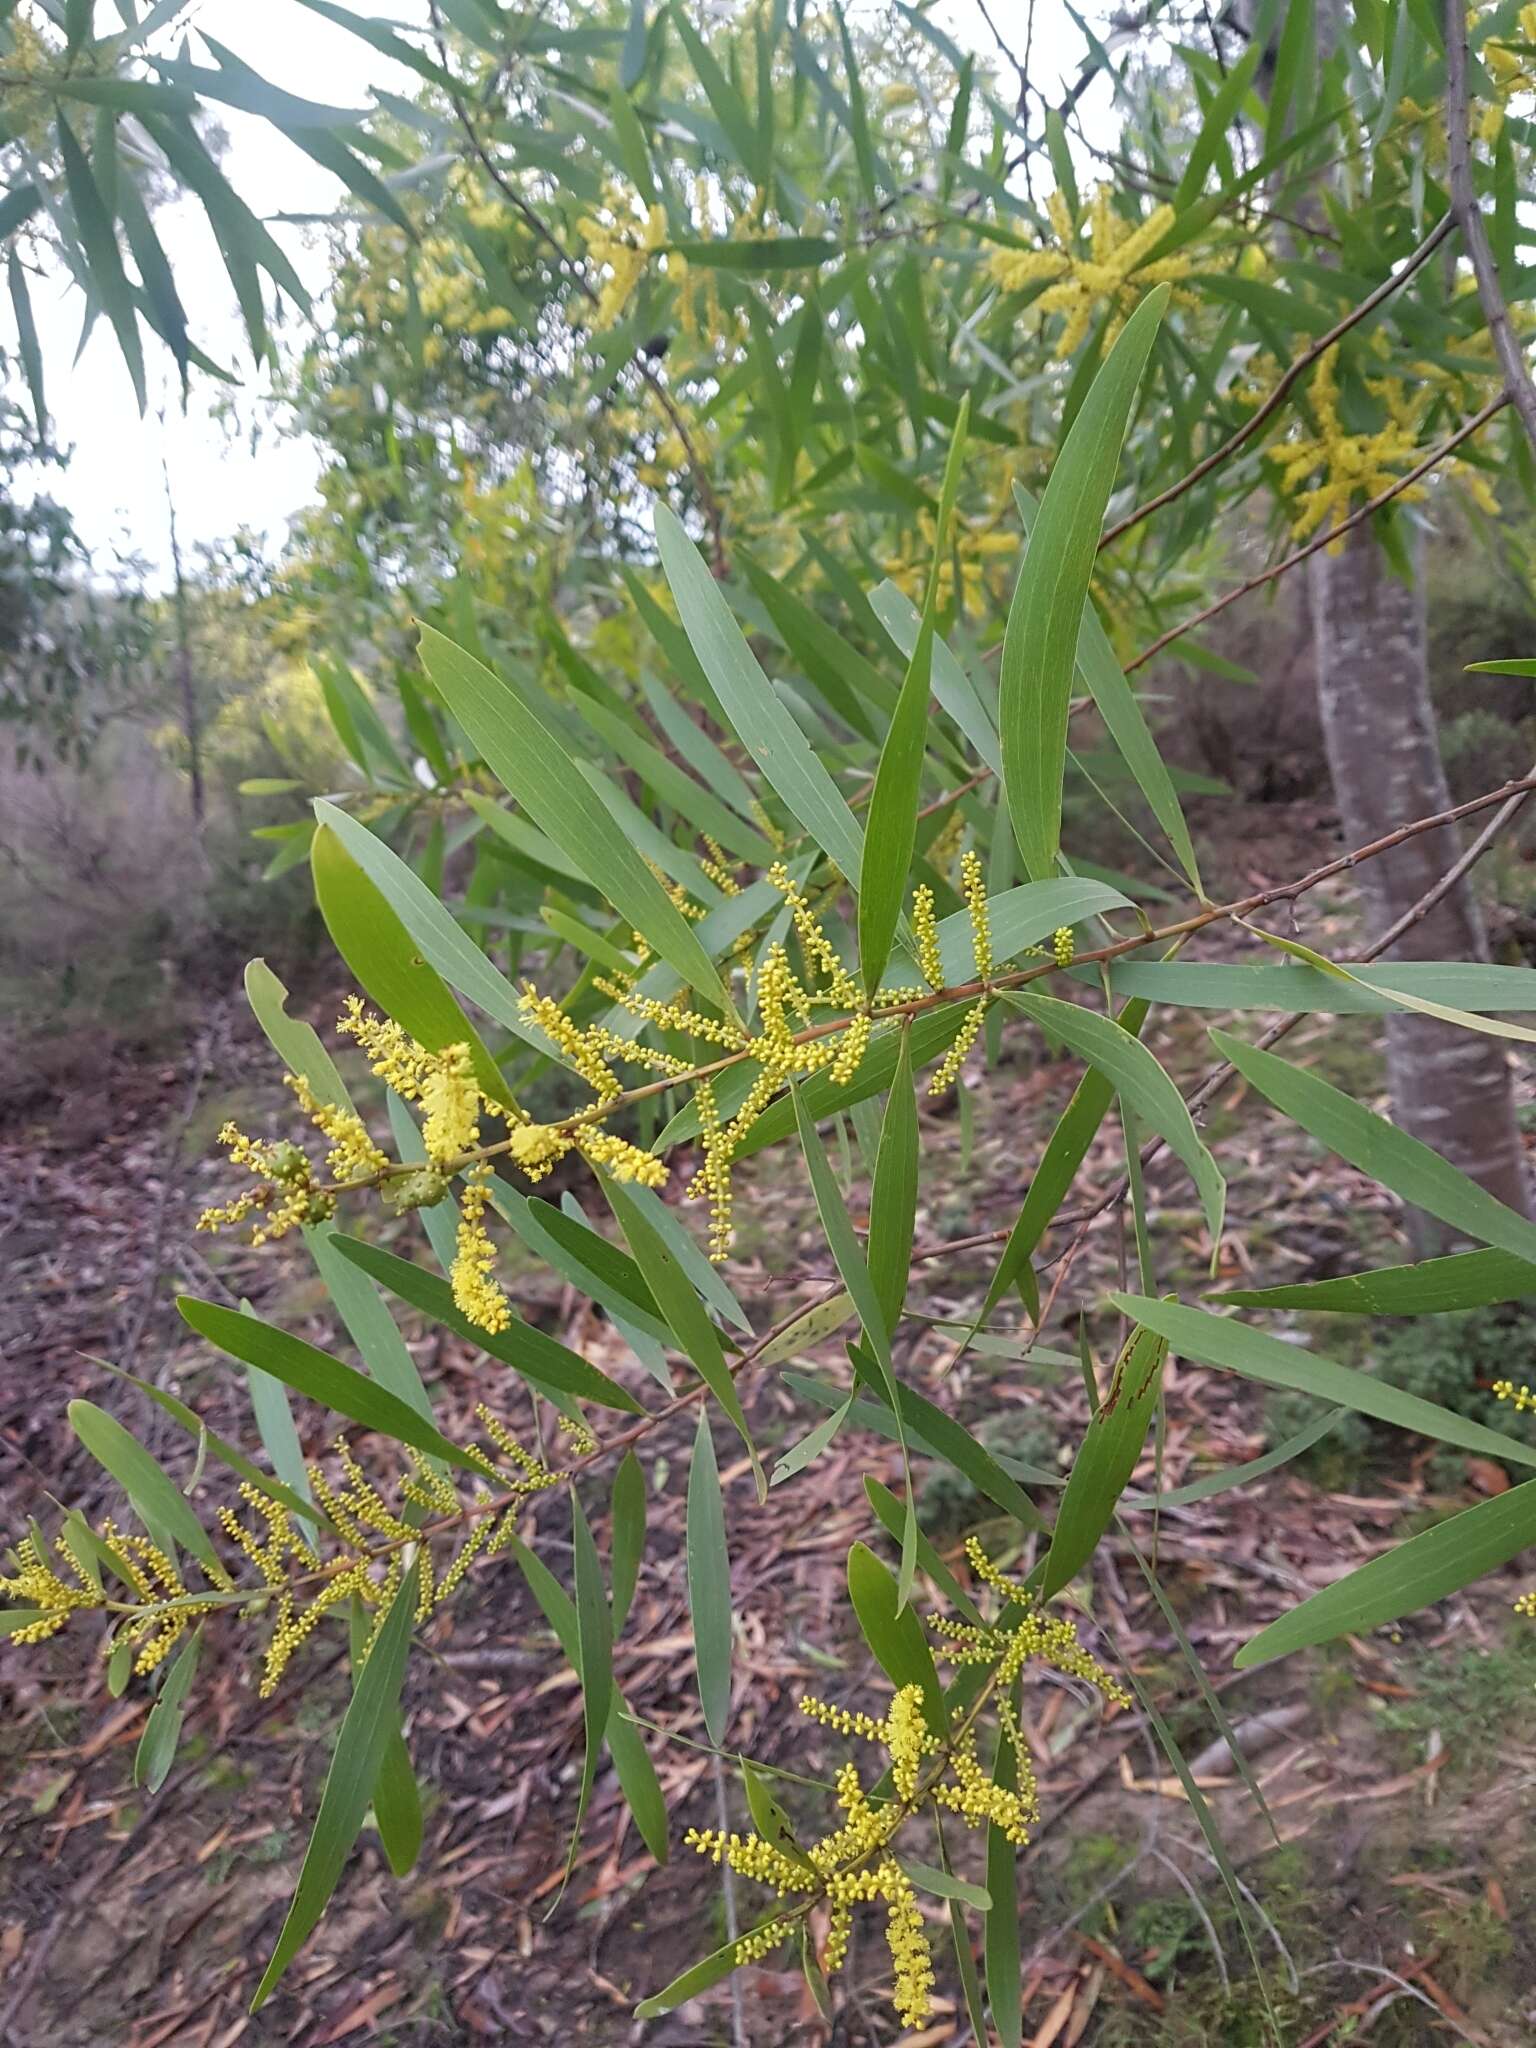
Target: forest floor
[[1385, 1892]]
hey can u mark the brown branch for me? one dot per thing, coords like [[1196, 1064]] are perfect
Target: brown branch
[[1286, 385], [1420, 469], [1518, 387]]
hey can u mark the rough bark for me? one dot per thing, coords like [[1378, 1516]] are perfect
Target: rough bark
[[1450, 1087]]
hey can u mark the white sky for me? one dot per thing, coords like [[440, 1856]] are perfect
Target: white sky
[[241, 470]]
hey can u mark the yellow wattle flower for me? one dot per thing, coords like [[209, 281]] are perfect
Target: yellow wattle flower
[[1110, 277]]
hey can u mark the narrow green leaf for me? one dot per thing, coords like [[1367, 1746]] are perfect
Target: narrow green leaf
[[1443, 1013], [27, 343], [726, 103], [396, 1795], [709, 1583], [1368, 991], [627, 1516], [1040, 642], [704, 812], [772, 1823], [1220, 117], [594, 1637], [541, 1359], [279, 1437], [368, 1321], [1210, 1699], [851, 684], [296, 1500], [632, 58], [162, 1731], [810, 1446], [1430, 1287], [397, 1805], [98, 237], [1075, 1131], [1404, 1165], [382, 38], [1105, 1460], [891, 832], [317, 1375], [930, 1428], [1238, 1475], [943, 1884], [854, 1270], [580, 1254], [389, 964], [1126, 723], [1427, 1568], [749, 704], [707, 1278], [685, 1315], [1141, 1081], [372, 1716], [160, 1505], [1002, 1949], [858, 115], [296, 1043], [631, 1761], [893, 1632], [530, 761], [817, 1322], [892, 1518], [439, 940], [698, 1977], [893, 1192], [1217, 1340]]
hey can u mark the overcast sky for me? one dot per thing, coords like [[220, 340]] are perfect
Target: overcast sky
[[241, 469]]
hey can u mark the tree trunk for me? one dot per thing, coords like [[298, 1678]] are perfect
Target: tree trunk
[[1450, 1087]]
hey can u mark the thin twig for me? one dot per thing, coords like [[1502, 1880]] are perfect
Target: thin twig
[[1286, 385], [1322, 540]]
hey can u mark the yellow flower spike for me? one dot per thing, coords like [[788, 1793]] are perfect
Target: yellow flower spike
[[840, 1719], [353, 1154], [974, 884], [925, 926], [572, 1041], [285, 1194], [622, 1159], [476, 1294], [908, 1943], [959, 1050], [537, 1147], [718, 868], [1063, 945], [852, 1045], [821, 955], [672, 1017], [715, 1178], [1520, 1397], [451, 1099]]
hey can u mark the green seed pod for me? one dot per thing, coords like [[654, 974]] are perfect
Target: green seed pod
[[423, 1189]]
